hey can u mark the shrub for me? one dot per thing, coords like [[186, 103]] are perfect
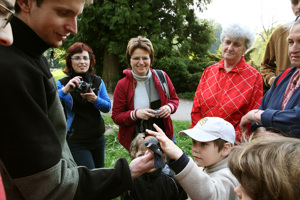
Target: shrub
[[184, 73]]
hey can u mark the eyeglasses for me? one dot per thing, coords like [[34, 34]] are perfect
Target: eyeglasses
[[78, 58], [138, 58], [6, 15]]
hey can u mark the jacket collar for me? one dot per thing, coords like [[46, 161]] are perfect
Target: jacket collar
[[238, 68], [218, 166], [26, 39]]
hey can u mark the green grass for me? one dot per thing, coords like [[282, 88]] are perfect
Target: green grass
[[58, 74]]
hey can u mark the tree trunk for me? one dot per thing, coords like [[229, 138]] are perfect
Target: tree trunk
[[111, 70]]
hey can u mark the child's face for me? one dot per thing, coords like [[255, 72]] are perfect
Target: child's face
[[140, 153], [206, 153]]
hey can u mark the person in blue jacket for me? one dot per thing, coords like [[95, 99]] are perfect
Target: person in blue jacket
[[279, 112], [84, 97]]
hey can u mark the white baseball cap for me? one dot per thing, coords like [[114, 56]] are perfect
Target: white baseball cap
[[211, 128]]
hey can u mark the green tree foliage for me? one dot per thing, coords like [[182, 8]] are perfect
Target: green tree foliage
[[171, 26], [260, 46], [218, 30]]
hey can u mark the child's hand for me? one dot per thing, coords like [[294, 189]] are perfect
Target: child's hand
[[167, 145]]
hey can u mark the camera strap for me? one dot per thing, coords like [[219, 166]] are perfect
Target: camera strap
[[162, 80]]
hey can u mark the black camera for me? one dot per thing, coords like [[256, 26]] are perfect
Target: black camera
[[83, 87]]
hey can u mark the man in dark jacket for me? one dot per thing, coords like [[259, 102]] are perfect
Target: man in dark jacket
[[35, 161]]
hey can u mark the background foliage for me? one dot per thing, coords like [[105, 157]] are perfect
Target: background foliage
[[184, 45], [171, 25]]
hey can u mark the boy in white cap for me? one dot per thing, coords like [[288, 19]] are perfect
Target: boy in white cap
[[212, 138]]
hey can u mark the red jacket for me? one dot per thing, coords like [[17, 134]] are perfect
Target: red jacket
[[123, 106]]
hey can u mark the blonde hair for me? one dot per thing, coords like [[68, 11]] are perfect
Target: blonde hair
[[268, 167]]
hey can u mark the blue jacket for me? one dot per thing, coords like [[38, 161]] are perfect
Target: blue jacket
[[287, 120], [84, 121]]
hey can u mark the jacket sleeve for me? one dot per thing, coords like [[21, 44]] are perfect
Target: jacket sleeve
[[263, 106], [104, 183], [283, 119], [65, 98], [199, 185], [103, 102], [174, 100], [121, 112], [268, 65]]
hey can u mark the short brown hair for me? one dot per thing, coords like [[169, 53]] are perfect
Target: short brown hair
[[39, 3], [139, 43], [220, 143], [79, 47], [268, 167]]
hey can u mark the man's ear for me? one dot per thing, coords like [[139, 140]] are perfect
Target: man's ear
[[25, 5], [226, 149]]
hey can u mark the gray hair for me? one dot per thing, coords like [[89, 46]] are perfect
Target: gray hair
[[238, 31]]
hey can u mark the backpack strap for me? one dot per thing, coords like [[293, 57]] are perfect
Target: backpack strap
[[162, 79], [284, 73]]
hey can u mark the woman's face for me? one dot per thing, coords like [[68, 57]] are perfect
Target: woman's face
[[140, 62], [81, 62], [233, 49], [294, 45], [239, 190]]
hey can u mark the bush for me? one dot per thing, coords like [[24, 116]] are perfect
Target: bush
[[187, 95], [184, 73]]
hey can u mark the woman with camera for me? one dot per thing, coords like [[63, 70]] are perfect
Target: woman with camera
[[139, 98], [84, 97]]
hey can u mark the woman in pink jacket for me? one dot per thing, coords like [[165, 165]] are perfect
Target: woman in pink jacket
[[139, 97]]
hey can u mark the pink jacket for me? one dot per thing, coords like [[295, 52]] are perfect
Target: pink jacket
[[123, 106], [2, 191]]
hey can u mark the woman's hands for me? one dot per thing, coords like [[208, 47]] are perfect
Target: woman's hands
[[167, 145], [71, 85], [147, 113], [89, 96], [165, 111]]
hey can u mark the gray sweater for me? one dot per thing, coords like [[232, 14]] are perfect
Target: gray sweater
[[212, 183]]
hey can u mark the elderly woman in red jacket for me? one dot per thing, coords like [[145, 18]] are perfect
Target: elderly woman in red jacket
[[231, 88], [139, 98]]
